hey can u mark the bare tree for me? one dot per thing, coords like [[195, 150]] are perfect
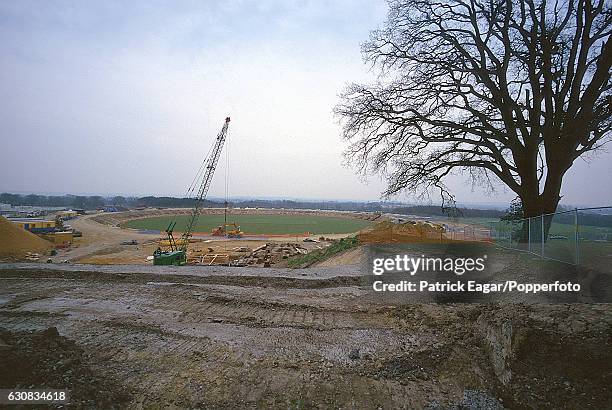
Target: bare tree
[[505, 90]]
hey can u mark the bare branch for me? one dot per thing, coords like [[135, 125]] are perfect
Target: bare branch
[[509, 91]]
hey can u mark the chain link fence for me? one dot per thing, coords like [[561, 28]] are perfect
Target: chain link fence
[[579, 236]]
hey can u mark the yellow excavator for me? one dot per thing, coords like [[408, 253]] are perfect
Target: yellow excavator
[[229, 230]]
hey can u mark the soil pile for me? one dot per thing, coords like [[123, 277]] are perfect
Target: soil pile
[[46, 360], [16, 243], [408, 232]]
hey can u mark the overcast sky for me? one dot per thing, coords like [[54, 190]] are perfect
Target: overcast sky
[[126, 97]]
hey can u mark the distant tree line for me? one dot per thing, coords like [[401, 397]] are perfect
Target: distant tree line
[[563, 215], [433, 210], [589, 219], [96, 201], [67, 201]]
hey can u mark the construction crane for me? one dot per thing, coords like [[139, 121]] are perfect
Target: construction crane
[[177, 255]]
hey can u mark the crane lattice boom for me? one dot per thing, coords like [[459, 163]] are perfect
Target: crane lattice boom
[[177, 255], [210, 167]]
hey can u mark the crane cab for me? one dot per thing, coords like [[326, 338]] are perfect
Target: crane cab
[[177, 258]]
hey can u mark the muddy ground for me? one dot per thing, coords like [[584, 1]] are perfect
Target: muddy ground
[[312, 338]]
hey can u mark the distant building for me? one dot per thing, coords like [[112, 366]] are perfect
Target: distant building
[[34, 225]]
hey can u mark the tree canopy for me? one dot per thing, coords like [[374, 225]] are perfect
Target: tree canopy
[[506, 91]]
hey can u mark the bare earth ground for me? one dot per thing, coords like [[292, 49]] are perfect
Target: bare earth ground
[[245, 337], [99, 239], [350, 257], [216, 337]]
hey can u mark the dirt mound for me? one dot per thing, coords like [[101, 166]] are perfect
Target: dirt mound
[[15, 243], [389, 232], [46, 360]]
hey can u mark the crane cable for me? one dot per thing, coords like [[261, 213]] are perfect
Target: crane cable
[[227, 168], [196, 179], [227, 150], [194, 183]]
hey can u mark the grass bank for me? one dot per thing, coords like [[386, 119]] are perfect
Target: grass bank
[[304, 261]]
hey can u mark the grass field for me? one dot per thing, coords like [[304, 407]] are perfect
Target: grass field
[[259, 224]]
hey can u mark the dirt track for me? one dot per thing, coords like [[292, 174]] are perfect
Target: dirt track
[[99, 239], [222, 337]]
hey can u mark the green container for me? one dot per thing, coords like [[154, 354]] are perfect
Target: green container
[[177, 258]]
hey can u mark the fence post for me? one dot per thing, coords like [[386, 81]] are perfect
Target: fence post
[[577, 249], [529, 235], [542, 220]]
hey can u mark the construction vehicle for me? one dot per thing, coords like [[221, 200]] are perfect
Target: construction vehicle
[[177, 254], [222, 230]]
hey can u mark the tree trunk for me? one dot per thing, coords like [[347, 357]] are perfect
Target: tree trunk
[[549, 206], [523, 234], [531, 208], [537, 209]]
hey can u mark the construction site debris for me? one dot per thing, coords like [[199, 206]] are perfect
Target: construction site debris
[[270, 253], [32, 256], [196, 258]]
